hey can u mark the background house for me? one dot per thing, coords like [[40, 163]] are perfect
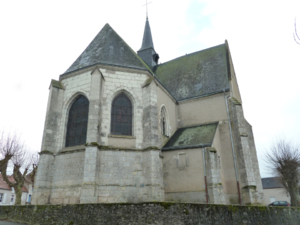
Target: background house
[[274, 190], [7, 194]]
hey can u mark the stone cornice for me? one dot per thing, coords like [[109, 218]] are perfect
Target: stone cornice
[[106, 67]]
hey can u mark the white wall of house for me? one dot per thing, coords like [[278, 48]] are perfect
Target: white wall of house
[[275, 194], [8, 197]]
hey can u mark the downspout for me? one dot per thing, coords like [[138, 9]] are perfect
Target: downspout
[[206, 192], [233, 152]]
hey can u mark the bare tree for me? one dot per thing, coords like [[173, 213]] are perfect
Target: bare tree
[[295, 34], [34, 163], [284, 160], [13, 150], [10, 145]]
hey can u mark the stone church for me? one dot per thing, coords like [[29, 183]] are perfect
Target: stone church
[[121, 127]]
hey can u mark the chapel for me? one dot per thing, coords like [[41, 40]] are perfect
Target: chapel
[[122, 127]]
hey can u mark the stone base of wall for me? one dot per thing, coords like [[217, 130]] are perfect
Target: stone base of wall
[[150, 213], [195, 196]]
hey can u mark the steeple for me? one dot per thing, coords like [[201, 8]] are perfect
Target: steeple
[[147, 52], [147, 39]]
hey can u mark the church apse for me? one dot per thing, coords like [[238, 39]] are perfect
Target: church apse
[[143, 131]]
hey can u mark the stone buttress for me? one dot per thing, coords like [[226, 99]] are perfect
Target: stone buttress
[[42, 186], [247, 163]]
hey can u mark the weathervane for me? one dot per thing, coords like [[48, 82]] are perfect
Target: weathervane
[[147, 7]]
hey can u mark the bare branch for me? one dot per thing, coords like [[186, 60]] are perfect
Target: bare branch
[[10, 145], [295, 35]]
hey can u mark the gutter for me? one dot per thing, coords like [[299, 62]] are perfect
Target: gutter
[[206, 191]]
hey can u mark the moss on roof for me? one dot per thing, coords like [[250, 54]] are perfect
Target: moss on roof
[[195, 74], [192, 136]]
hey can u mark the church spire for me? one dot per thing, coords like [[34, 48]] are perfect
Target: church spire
[[147, 39], [147, 52]]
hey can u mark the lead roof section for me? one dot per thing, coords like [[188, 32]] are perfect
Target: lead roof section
[[147, 38], [201, 73], [110, 49], [192, 137]]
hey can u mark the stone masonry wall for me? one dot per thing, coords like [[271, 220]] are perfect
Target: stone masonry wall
[[150, 116], [214, 184], [100, 176], [79, 84], [151, 213], [67, 178], [130, 176], [85, 174], [43, 179], [123, 81]]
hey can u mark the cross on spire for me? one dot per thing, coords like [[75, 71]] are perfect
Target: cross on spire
[[147, 7]]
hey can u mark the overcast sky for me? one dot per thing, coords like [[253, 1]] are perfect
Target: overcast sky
[[40, 39]]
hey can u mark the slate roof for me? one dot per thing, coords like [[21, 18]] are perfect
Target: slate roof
[[147, 38], [194, 75], [271, 182], [5, 186], [110, 49], [192, 137], [198, 74]]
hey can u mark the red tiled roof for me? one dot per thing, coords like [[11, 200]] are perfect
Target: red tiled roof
[[4, 185]]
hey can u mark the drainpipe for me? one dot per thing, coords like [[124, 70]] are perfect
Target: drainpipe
[[206, 192], [233, 152]]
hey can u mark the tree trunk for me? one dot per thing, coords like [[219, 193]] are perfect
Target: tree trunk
[[18, 191], [293, 191]]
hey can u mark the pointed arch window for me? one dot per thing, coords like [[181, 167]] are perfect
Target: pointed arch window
[[121, 115], [77, 122]]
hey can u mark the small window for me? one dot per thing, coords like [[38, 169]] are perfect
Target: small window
[[121, 115], [1, 197], [164, 121], [77, 122], [12, 198], [29, 198]]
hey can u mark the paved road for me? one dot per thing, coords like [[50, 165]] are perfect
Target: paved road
[[10, 223]]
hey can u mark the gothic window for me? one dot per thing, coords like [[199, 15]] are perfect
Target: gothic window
[[121, 115], [77, 122], [163, 121]]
